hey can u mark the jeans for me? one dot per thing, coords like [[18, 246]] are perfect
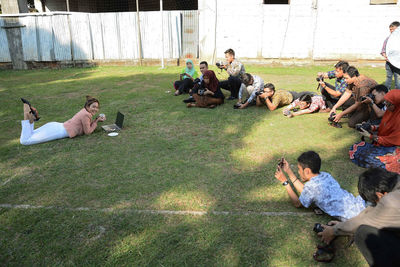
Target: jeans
[[48, 132], [390, 72]]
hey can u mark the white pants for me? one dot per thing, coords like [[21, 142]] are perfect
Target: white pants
[[48, 132]]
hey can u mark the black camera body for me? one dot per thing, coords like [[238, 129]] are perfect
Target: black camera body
[[365, 125], [236, 106], [320, 78], [280, 163], [260, 92], [200, 92], [369, 95], [219, 64], [332, 117], [318, 228]]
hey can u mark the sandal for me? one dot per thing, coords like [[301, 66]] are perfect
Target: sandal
[[33, 111]]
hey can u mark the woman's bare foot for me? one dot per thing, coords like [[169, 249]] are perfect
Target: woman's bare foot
[[190, 105], [325, 110]]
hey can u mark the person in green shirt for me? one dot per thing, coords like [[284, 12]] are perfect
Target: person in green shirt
[[186, 78]]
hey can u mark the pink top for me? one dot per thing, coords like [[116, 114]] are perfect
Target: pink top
[[81, 123]]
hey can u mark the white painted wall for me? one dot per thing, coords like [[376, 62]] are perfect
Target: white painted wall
[[312, 29]]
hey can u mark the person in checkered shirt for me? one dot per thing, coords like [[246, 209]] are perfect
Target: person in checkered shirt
[[304, 105]]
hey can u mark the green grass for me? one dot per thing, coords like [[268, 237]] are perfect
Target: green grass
[[167, 157]]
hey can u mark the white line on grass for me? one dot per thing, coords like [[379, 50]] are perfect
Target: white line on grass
[[163, 212]]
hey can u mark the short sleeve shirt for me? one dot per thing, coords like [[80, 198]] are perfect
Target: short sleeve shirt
[[325, 192], [340, 83], [282, 98]]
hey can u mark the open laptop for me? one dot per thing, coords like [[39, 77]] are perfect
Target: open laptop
[[117, 126]]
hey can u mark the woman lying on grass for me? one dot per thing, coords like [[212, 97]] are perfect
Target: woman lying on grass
[[81, 123], [209, 94], [307, 104]]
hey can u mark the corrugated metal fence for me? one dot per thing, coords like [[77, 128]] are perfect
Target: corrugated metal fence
[[102, 36]]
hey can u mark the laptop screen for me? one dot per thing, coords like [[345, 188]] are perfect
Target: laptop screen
[[120, 119]]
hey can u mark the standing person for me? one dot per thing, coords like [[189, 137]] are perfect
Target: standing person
[[358, 86], [251, 86], [186, 79], [235, 69], [209, 94], [390, 69], [81, 123], [197, 82], [333, 93], [377, 227]]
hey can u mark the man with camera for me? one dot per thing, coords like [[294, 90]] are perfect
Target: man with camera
[[197, 82], [319, 188], [358, 86], [251, 87], [235, 69], [333, 93], [277, 98], [376, 102], [376, 228]]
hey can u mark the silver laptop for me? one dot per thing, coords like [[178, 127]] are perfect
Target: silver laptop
[[117, 126]]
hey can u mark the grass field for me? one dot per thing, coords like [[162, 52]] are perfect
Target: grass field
[[85, 193]]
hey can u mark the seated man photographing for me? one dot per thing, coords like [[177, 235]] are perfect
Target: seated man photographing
[[333, 93], [235, 69], [252, 86], [377, 228], [318, 188]]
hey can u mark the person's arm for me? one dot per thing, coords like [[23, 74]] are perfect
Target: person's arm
[[295, 181], [345, 96], [280, 176], [88, 125], [292, 105], [269, 104], [347, 111], [330, 91]]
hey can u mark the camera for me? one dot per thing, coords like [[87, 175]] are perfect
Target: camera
[[237, 105], [369, 95], [332, 122], [201, 92], [318, 228], [332, 117], [260, 92], [365, 125], [219, 64], [320, 78], [280, 163]]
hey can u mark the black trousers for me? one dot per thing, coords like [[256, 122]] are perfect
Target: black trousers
[[297, 95], [184, 86], [379, 247], [232, 84], [331, 101]]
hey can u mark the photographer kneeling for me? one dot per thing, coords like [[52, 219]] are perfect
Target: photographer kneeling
[[251, 87], [376, 228], [209, 95]]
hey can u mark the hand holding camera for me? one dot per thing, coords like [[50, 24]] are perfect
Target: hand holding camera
[[221, 65], [101, 118]]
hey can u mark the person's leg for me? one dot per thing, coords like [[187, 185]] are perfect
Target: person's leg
[[48, 132], [396, 74], [200, 102], [224, 85], [329, 100], [212, 101], [379, 247], [187, 85], [358, 116], [389, 75], [349, 102], [234, 83]]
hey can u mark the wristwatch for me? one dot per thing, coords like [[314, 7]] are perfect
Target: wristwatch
[[285, 183]]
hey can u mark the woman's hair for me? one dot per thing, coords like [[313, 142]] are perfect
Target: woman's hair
[[306, 98], [90, 100]]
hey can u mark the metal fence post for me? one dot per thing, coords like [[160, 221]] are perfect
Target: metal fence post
[[139, 34]]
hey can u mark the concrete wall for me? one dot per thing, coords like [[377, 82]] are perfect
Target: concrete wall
[[305, 29]]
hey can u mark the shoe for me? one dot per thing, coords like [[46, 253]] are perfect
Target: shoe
[[33, 111], [189, 100], [231, 98]]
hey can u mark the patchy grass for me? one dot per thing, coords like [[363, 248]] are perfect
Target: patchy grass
[[167, 157]]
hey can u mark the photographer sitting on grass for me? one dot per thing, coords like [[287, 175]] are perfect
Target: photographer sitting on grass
[[306, 104], [333, 93], [376, 228], [251, 86], [209, 94], [319, 188]]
